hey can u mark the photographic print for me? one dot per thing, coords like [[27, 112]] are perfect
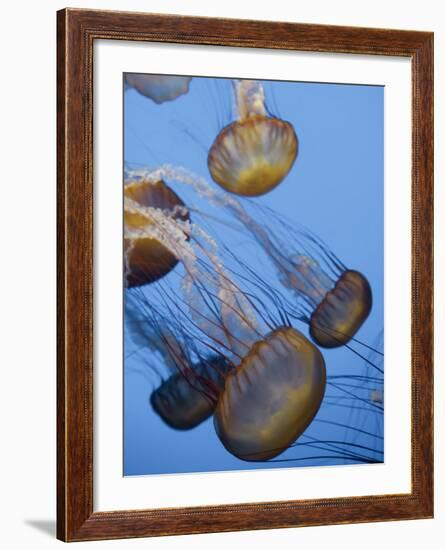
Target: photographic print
[[245, 230], [253, 267]]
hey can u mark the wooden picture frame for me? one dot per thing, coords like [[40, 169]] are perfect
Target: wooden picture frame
[[77, 31]]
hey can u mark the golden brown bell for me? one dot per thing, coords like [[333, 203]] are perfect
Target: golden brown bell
[[271, 397], [252, 156], [146, 258], [342, 311]]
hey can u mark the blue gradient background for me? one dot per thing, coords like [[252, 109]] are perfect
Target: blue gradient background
[[335, 188]]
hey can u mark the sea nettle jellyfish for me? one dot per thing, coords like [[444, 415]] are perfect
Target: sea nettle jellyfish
[[181, 397], [272, 396], [332, 299], [252, 155], [159, 88], [274, 377], [146, 258]]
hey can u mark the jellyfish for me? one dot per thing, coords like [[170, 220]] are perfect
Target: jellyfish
[[180, 400], [332, 299], [146, 258], [252, 155], [159, 88], [272, 396]]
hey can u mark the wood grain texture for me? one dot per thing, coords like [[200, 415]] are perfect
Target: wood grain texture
[[77, 30]]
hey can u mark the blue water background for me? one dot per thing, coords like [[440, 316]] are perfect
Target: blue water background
[[335, 188]]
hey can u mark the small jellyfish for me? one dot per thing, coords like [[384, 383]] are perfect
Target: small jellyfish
[[343, 308], [183, 401], [146, 258], [186, 396], [333, 300], [159, 88], [252, 155]]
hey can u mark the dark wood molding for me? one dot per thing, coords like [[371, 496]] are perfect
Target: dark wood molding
[[76, 31]]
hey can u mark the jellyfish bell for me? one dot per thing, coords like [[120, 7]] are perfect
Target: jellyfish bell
[[271, 397], [252, 155], [146, 258], [342, 312], [333, 300], [183, 402], [159, 88]]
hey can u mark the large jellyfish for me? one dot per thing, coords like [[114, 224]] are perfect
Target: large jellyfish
[[252, 155], [159, 88], [146, 258], [272, 396]]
